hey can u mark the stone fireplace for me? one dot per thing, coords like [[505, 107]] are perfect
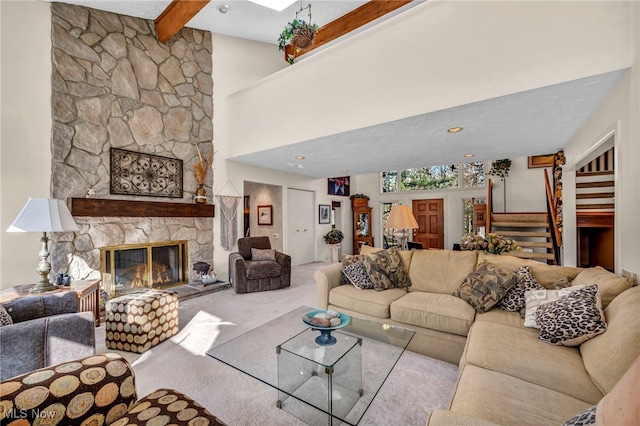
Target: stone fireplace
[[114, 85], [132, 267]]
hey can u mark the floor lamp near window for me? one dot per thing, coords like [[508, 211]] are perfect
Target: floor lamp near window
[[401, 219], [44, 215]]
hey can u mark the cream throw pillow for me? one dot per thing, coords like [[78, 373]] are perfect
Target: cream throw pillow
[[263, 254]]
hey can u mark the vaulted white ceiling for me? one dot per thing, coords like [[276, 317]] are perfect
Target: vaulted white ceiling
[[531, 122]]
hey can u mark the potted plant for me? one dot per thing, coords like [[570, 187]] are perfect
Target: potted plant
[[297, 33], [501, 169], [335, 236]]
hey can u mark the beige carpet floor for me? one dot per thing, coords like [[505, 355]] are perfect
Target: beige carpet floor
[[415, 387]]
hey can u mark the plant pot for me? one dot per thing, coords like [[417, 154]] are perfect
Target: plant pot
[[303, 37]]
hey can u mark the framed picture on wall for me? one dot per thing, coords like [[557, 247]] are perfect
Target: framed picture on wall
[[265, 215], [324, 214], [338, 186]]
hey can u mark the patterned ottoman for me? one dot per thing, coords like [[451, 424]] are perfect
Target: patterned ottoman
[[139, 321]]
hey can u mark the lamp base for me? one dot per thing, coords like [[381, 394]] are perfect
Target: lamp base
[[42, 287]]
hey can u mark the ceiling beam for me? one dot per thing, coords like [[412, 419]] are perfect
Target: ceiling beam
[[364, 14], [175, 17]]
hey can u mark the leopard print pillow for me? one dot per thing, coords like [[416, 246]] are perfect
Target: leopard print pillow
[[572, 319], [585, 418], [5, 318], [513, 300], [358, 276], [349, 259]]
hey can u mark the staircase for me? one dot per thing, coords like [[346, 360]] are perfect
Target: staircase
[[531, 231]]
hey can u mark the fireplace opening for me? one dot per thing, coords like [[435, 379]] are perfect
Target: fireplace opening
[[136, 267]]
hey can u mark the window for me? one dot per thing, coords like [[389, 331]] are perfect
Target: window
[[389, 239], [470, 175]]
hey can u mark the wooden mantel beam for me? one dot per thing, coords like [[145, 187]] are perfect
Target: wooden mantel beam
[[175, 17], [364, 14]]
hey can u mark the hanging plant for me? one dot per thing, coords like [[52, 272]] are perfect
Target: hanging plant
[[500, 168], [297, 33]]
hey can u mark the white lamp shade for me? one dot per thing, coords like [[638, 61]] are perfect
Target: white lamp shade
[[44, 215], [401, 218]]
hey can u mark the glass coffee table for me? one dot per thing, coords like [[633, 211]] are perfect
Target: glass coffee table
[[318, 384]]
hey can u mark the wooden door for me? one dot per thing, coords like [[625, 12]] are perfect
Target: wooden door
[[430, 217]]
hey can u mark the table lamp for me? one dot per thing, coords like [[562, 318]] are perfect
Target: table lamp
[[401, 218], [44, 215]]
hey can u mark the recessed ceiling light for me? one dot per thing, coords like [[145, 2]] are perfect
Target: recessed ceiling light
[[454, 130], [278, 5], [345, 170], [299, 157], [224, 8], [469, 155]]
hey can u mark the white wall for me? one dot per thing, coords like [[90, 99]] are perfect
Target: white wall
[[619, 114], [25, 147], [377, 76]]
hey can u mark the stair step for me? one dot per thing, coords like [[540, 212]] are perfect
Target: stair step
[[534, 244], [595, 195], [602, 184], [534, 255], [587, 174], [529, 234], [595, 206], [519, 217], [520, 224]]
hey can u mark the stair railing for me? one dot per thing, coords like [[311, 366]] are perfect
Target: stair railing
[[489, 206], [551, 212]]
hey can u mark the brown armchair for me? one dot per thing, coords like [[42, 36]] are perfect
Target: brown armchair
[[248, 274]]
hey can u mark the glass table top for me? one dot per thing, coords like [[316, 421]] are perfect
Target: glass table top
[[255, 353]]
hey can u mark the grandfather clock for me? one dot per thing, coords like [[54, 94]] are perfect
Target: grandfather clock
[[361, 223]]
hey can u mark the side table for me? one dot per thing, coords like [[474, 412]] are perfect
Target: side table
[[88, 295]]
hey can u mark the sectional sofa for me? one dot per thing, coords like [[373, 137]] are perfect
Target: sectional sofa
[[507, 374]]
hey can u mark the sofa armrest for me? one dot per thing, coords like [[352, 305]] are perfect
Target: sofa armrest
[[30, 345], [238, 272], [284, 260], [32, 307], [101, 387], [448, 418], [326, 279]]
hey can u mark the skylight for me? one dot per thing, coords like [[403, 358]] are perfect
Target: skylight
[[278, 5]]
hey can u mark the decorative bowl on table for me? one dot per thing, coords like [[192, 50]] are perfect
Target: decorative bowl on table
[[325, 321]]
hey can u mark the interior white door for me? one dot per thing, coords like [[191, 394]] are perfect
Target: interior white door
[[300, 227]]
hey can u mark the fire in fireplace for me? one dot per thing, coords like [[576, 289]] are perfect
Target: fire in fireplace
[[133, 267]]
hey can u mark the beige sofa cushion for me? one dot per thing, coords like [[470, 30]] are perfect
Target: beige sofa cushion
[[498, 316], [440, 271], [507, 400], [440, 312], [607, 356], [545, 274], [609, 284], [518, 353], [448, 418], [369, 302]]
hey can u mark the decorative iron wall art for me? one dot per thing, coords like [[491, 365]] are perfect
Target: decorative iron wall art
[[136, 173]]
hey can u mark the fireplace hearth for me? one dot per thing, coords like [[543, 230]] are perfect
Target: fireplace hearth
[[134, 267]]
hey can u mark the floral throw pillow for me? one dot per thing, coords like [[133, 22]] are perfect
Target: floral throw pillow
[[485, 286], [358, 276], [263, 254], [385, 269], [572, 319], [513, 300]]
